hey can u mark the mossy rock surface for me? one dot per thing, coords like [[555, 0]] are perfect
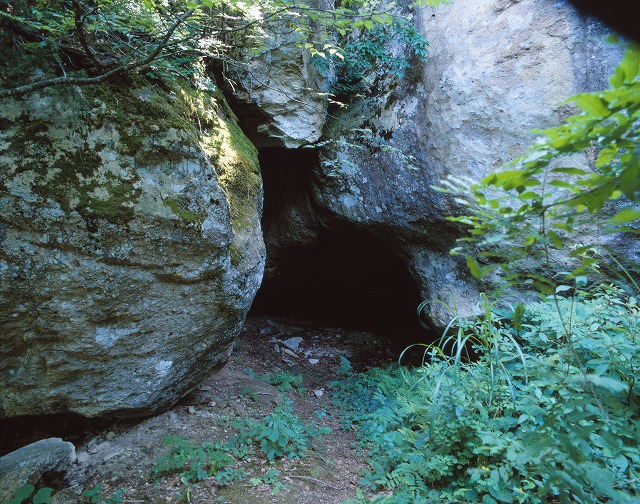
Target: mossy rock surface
[[130, 245]]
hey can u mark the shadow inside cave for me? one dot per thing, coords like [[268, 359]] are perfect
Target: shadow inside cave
[[325, 270]]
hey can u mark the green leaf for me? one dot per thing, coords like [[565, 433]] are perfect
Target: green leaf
[[581, 281], [607, 155], [630, 176], [22, 493], [595, 199], [591, 104], [625, 216], [562, 288], [474, 267], [561, 183], [555, 238], [610, 384], [517, 317], [630, 65], [43, 496], [569, 171]]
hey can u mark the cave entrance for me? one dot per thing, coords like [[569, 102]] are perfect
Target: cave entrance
[[325, 271]]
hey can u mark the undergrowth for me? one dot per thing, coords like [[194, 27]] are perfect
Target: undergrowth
[[285, 381], [539, 402], [281, 434], [503, 429]]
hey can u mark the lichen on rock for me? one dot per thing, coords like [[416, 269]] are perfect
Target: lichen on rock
[[124, 271]]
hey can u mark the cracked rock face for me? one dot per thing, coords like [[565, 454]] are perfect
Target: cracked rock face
[[496, 71], [280, 95], [130, 247]]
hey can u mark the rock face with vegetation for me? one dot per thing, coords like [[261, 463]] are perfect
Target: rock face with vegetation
[[130, 245], [278, 92], [30, 463], [495, 71]]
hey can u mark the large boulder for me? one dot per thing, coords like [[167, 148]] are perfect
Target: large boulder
[[496, 70], [130, 245]]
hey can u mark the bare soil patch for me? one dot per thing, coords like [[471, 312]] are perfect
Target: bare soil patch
[[121, 456]]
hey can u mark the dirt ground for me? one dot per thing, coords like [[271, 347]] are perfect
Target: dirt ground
[[121, 456]]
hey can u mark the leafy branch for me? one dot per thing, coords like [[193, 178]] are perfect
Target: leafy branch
[[104, 40], [79, 81], [537, 203]]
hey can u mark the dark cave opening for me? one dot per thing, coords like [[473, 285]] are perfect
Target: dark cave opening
[[327, 271]]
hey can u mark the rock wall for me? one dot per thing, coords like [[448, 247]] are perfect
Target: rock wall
[[496, 70], [130, 241], [278, 93], [130, 245]]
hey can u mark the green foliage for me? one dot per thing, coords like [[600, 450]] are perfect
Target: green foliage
[[197, 462], [81, 42], [373, 49], [542, 198], [27, 493], [271, 479], [94, 496], [605, 327], [282, 434], [537, 402], [455, 430], [286, 382], [345, 367]]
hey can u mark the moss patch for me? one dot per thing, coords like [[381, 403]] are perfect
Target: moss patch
[[181, 210], [141, 111], [236, 255], [155, 124], [237, 161], [53, 159]]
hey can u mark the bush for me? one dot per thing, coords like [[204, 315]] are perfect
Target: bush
[[456, 430], [282, 434]]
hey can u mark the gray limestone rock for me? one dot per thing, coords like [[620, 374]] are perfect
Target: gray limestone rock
[[280, 94], [29, 463], [130, 246], [496, 71], [293, 343]]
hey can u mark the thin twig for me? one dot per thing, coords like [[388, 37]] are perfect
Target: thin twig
[[321, 458]]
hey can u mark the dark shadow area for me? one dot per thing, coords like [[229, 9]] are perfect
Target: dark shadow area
[[348, 281], [287, 175], [21, 431], [329, 272]]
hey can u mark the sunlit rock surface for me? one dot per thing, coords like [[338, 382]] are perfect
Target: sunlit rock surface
[[130, 246], [497, 70], [278, 92]]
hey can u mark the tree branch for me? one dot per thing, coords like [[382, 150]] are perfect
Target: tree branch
[[79, 22], [83, 81]]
